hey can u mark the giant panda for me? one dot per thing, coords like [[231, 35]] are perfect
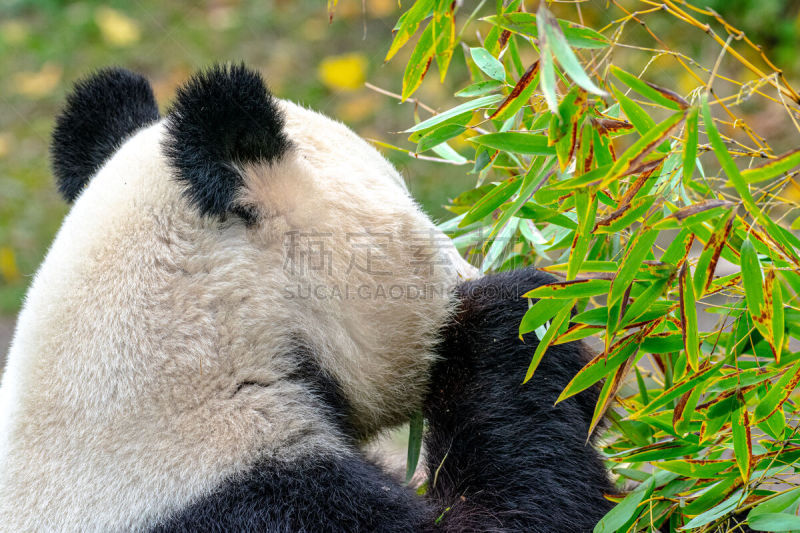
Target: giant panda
[[226, 316]]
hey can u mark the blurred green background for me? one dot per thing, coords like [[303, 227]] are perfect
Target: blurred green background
[[45, 45]]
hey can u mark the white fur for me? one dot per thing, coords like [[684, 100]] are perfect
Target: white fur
[[121, 403]]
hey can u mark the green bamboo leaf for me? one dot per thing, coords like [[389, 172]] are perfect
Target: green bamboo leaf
[[519, 95], [707, 261], [618, 516], [555, 42], [776, 504], [636, 115], [585, 207], [775, 232], [640, 245], [678, 389], [778, 321], [540, 312], [582, 288], [778, 393], [690, 144], [634, 156], [525, 24], [656, 94], [753, 281], [438, 136], [696, 469], [548, 72], [414, 444], [503, 239], [691, 338], [772, 168], [480, 88], [774, 522], [544, 343], [667, 343], [517, 142], [491, 201], [626, 215], [448, 154], [488, 64], [742, 443], [645, 301], [609, 392], [418, 63], [407, 25], [599, 367], [718, 511], [457, 110]]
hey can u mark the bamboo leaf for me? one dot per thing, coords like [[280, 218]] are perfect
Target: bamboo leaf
[[457, 110], [640, 245], [519, 95], [778, 393], [558, 46], [480, 88], [488, 64], [491, 201], [540, 312], [691, 340], [408, 24], [657, 94], [517, 142], [438, 136], [742, 443], [618, 516], [709, 257], [773, 168], [581, 288], [774, 522], [633, 156], [690, 144], [414, 444], [525, 24], [418, 63], [753, 281], [555, 325]]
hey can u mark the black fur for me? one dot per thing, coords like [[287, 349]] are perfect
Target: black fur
[[326, 390], [101, 112], [507, 459], [500, 457], [222, 118], [321, 494]]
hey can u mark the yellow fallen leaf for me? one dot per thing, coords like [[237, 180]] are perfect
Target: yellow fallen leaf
[[346, 72], [8, 265], [117, 29], [38, 84]]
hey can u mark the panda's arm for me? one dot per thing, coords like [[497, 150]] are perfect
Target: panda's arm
[[501, 456], [326, 493]]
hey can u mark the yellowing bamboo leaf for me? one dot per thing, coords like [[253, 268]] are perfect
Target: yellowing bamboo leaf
[[408, 24]]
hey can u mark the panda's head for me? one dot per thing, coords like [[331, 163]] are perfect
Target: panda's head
[[218, 265]]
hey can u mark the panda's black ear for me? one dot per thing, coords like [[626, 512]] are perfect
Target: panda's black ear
[[223, 118], [101, 112]]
